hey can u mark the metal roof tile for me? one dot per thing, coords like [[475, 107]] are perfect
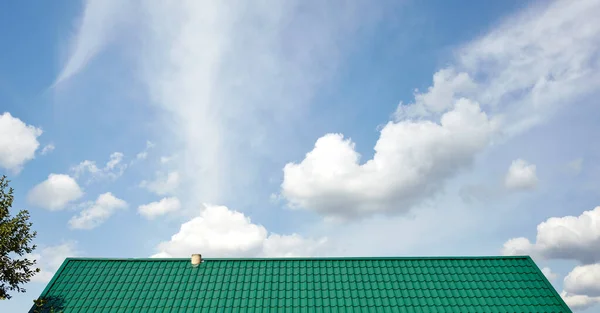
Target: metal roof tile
[[407, 285]]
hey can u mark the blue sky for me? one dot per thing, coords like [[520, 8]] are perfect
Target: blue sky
[[137, 129]]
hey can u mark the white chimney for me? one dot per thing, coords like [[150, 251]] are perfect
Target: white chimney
[[196, 259]]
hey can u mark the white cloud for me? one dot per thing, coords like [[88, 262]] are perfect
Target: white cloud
[[144, 154], [85, 166], [579, 302], [412, 159], [96, 213], [18, 142], [49, 259], [113, 169], [584, 280], [550, 275], [448, 86], [568, 238], [515, 72], [519, 72], [47, 149], [521, 176], [99, 25], [115, 159], [193, 54], [162, 207], [517, 246], [221, 232], [522, 71], [162, 185], [55, 192]]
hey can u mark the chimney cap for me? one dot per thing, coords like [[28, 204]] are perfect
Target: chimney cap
[[196, 259]]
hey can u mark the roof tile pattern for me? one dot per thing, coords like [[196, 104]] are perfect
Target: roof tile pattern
[[399, 285]]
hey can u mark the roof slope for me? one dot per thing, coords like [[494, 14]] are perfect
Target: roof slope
[[407, 285]]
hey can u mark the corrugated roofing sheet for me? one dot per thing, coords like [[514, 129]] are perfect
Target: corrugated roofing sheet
[[407, 285]]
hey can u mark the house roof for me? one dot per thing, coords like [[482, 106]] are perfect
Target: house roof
[[388, 284]]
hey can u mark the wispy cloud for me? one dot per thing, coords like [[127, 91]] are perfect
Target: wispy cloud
[[164, 184], [96, 28], [113, 168], [227, 72], [47, 149]]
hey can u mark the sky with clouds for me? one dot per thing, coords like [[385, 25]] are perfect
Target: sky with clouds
[[139, 128]]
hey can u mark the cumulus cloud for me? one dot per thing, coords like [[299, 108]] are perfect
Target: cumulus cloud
[[584, 280], [18, 142], [412, 159], [55, 192], [448, 86], [97, 212], [157, 208], [113, 169], [579, 302], [49, 259], [221, 232], [567, 238], [163, 184], [517, 246], [521, 176]]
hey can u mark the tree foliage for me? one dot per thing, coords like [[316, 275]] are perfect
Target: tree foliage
[[15, 243], [48, 305]]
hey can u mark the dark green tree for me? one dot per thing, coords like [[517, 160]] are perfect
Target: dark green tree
[[15, 242]]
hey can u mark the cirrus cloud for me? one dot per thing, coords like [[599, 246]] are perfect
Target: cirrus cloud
[[584, 280]]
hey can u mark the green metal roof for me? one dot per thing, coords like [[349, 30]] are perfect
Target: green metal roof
[[407, 285]]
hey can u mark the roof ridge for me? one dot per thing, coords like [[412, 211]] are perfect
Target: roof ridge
[[312, 258]]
